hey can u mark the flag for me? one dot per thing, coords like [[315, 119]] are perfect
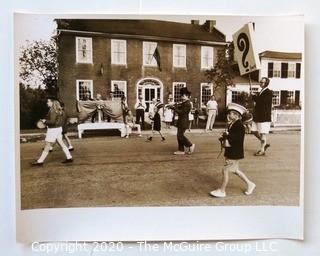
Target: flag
[[156, 55]]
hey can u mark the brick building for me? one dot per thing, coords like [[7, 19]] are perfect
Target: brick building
[[151, 58]]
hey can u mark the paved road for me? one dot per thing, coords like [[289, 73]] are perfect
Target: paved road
[[110, 171]]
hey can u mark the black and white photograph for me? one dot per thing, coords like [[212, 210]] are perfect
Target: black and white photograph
[[159, 111]]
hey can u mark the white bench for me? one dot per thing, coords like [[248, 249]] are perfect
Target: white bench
[[101, 126]]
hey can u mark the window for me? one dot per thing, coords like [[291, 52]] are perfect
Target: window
[[206, 57], [206, 92], [84, 50], [276, 98], [176, 90], [292, 70], [118, 52], [148, 54], [254, 89], [119, 89], [290, 97], [236, 96], [179, 55], [84, 89], [276, 69]]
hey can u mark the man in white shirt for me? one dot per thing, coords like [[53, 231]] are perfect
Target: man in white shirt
[[212, 112], [140, 108]]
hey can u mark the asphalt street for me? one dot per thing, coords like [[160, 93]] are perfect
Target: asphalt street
[[113, 171]]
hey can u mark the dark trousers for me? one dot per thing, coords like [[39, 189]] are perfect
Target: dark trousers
[[140, 115], [182, 139]]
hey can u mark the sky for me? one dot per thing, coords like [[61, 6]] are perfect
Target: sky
[[278, 33]]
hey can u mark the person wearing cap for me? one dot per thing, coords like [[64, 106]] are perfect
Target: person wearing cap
[[140, 108], [262, 115], [183, 109], [54, 122], [234, 152]]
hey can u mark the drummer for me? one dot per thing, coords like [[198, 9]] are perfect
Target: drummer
[[54, 123]]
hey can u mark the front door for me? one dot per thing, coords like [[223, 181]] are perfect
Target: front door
[[150, 92]]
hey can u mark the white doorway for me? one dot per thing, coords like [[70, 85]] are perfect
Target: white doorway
[[150, 88]]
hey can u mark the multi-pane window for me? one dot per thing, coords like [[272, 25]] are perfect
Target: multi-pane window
[[254, 90], [84, 50], [84, 89], [290, 97], [118, 52], [235, 96], [292, 70], [206, 92], [119, 89], [276, 98], [179, 55], [276, 69], [176, 90], [149, 49], [206, 57]]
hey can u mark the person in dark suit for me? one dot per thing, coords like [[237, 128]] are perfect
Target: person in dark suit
[[183, 109], [262, 115], [233, 140]]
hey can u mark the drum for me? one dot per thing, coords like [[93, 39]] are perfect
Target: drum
[[41, 124]]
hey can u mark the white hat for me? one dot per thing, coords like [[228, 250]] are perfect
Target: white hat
[[236, 107]]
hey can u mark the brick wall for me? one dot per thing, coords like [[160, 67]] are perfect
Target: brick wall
[[70, 71]]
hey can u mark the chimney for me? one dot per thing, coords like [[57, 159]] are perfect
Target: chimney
[[195, 22], [209, 25]]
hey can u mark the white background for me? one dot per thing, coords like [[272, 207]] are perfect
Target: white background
[[309, 8]]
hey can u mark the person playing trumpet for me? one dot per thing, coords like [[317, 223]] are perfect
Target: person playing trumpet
[[233, 140]]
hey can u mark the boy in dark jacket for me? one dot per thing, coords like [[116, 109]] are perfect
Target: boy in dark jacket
[[234, 139]]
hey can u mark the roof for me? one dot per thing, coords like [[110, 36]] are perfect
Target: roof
[[153, 28], [281, 55]]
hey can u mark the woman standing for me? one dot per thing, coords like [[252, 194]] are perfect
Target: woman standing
[[168, 114], [54, 124]]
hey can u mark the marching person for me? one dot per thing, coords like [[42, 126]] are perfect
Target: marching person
[[212, 112], [54, 123], [156, 122], [233, 140], [140, 108], [183, 109], [262, 115], [64, 129]]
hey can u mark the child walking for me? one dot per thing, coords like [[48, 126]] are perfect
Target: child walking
[[54, 123], [234, 151], [156, 122]]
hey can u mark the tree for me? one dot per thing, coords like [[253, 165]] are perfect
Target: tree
[[221, 74], [32, 106], [38, 65]]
